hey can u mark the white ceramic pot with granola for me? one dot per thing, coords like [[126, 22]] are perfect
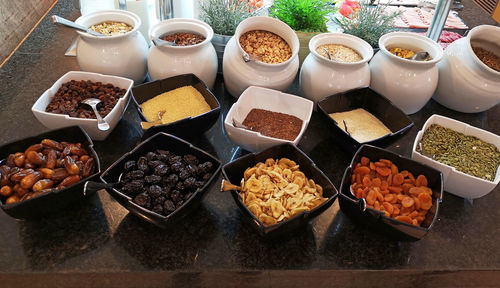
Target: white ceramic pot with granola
[[407, 83], [469, 74], [193, 53], [345, 67], [263, 52], [122, 52]]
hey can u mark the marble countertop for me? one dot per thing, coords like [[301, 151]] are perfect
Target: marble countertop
[[98, 243]]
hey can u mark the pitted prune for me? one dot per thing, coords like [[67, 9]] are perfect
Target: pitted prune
[[205, 167], [207, 176], [166, 191], [172, 180], [175, 196], [159, 201], [142, 164], [180, 186], [134, 174], [151, 156], [158, 209], [129, 165], [152, 164], [190, 159], [168, 206], [161, 170], [152, 179], [155, 191], [174, 159], [143, 200], [177, 167], [190, 183], [193, 169], [133, 188], [184, 174]]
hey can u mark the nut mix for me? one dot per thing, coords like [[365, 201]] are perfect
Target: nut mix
[[43, 167], [161, 181], [398, 194], [277, 190], [183, 38], [111, 28], [67, 99], [267, 46]]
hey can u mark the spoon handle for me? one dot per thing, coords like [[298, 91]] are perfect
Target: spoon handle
[[59, 20], [101, 124]]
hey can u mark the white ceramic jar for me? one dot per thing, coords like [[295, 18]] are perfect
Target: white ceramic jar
[[199, 59], [122, 55], [409, 84], [466, 84], [321, 77], [239, 75]]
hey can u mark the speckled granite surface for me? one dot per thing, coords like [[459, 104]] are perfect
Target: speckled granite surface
[[99, 237]]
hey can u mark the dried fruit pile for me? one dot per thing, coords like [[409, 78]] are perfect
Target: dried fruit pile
[[162, 182], [398, 194], [277, 190], [43, 167]]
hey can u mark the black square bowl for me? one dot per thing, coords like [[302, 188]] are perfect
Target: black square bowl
[[233, 172], [175, 145], [185, 128], [375, 219], [54, 200], [392, 117]]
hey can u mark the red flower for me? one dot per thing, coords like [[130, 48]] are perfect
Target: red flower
[[348, 8]]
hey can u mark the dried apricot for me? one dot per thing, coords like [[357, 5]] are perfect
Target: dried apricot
[[362, 170], [365, 161], [421, 181], [407, 202], [383, 171], [406, 219], [398, 179]]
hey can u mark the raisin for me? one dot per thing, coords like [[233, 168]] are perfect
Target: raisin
[[161, 170], [152, 164], [205, 167], [159, 201], [151, 156], [143, 200], [155, 191], [158, 209], [175, 196], [152, 179], [142, 164], [163, 152], [199, 184], [174, 159], [193, 169], [168, 206], [190, 183], [190, 159], [184, 174], [177, 167], [180, 186], [129, 165]]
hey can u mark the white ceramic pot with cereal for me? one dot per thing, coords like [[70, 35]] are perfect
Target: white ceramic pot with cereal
[[193, 52], [469, 74], [271, 63], [345, 67], [407, 83], [123, 52]]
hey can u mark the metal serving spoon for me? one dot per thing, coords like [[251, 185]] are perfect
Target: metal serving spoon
[[101, 123], [59, 20], [157, 41], [421, 56]]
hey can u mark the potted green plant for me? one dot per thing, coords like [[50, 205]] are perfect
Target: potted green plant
[[224, 16], [367, 22], [307, 17]]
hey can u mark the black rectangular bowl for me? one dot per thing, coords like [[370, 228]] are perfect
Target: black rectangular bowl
[[56, 199], [376, 220], [392, 117], [165, 142], [233, 172], [185, 128]]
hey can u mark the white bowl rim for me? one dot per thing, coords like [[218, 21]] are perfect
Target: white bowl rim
[[333, 36], [452, 169], [413, 35], [208, 28], [258, 134], [137, 23], [76, 119]]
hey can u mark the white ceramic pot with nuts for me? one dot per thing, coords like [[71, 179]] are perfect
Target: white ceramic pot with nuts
[[122, 55], [321, 77], [241, 69], [199, 59], [409, 84]]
